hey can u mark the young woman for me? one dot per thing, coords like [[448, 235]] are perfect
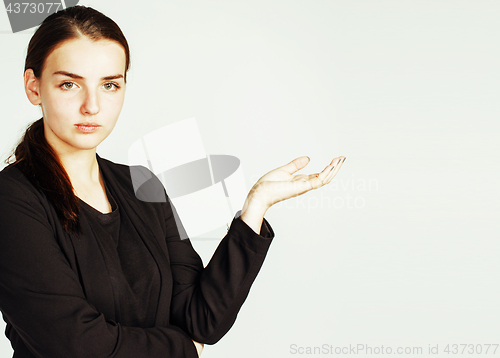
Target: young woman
[[86, 268]]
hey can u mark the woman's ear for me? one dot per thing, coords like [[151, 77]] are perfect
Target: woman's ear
[[31, 86]]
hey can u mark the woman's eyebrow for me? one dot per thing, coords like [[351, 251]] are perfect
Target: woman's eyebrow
[[75, 76]]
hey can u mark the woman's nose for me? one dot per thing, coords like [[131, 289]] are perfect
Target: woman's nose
[[91, 102]]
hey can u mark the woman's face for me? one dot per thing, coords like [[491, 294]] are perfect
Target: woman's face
[[81, 92]]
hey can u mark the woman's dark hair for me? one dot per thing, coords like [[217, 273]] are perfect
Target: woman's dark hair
[[34, 156]]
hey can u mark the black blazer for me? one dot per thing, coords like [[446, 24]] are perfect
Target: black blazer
[[57, 300]]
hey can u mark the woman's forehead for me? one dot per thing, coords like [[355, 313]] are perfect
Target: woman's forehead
[[87, 58]]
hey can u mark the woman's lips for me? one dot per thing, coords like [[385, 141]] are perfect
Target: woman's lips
[[87, 127]]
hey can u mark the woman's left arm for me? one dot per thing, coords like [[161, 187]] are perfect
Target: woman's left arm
[[205, 301]]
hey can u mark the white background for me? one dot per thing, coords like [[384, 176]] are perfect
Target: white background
[[402, 248]]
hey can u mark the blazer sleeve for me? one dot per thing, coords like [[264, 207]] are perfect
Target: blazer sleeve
[[205, 301], [41, 297]]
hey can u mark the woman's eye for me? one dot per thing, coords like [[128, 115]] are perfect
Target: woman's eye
[[110, 85], [67, 85]]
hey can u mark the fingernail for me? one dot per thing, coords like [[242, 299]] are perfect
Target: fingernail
[[332, 168], [308, 158], [343, 160]]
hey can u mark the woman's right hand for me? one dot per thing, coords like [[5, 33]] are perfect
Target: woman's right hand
[[199, 347]]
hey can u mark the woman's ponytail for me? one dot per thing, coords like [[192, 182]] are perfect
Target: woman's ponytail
[[40, 164]]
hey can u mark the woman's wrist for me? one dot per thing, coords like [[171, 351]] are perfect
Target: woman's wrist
[[253, 211]]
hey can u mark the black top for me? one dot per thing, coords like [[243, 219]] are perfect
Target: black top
[[80, 295], [132, 270]]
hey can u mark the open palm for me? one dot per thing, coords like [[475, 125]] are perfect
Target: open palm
[[279, 184]]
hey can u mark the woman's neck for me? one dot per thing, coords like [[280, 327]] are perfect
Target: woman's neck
[[81, 166]]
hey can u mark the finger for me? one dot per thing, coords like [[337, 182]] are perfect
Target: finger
[[324, 174], [334, 171], [319, 179], [295, 165], [327, 172]]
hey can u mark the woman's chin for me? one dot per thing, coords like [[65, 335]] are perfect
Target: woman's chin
[[86, 143]]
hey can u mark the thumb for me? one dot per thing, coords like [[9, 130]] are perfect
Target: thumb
[[296, 164]]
